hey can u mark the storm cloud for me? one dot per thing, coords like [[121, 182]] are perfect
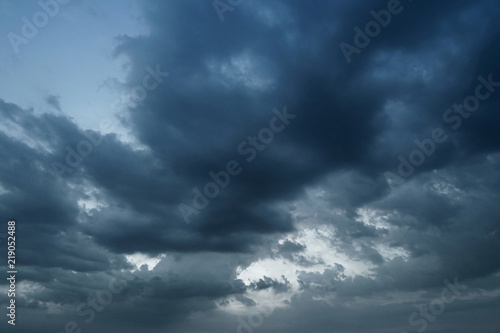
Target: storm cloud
[[324, 191]]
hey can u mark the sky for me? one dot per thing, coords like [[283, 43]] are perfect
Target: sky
[[250, 166]]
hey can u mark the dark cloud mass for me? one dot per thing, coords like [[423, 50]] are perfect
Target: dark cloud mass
[[319, 221]]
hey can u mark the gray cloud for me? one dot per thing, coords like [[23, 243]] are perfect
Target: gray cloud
[[353, 120]]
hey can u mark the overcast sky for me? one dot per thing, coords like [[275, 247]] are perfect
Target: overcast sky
[[251, 165]]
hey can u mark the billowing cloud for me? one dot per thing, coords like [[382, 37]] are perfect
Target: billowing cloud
[[256, 177]]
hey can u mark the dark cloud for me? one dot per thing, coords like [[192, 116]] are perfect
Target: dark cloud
[[352, 121], [268, 283], [54, 101]]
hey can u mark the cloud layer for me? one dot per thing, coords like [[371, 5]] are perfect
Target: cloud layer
[[318, 222]]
